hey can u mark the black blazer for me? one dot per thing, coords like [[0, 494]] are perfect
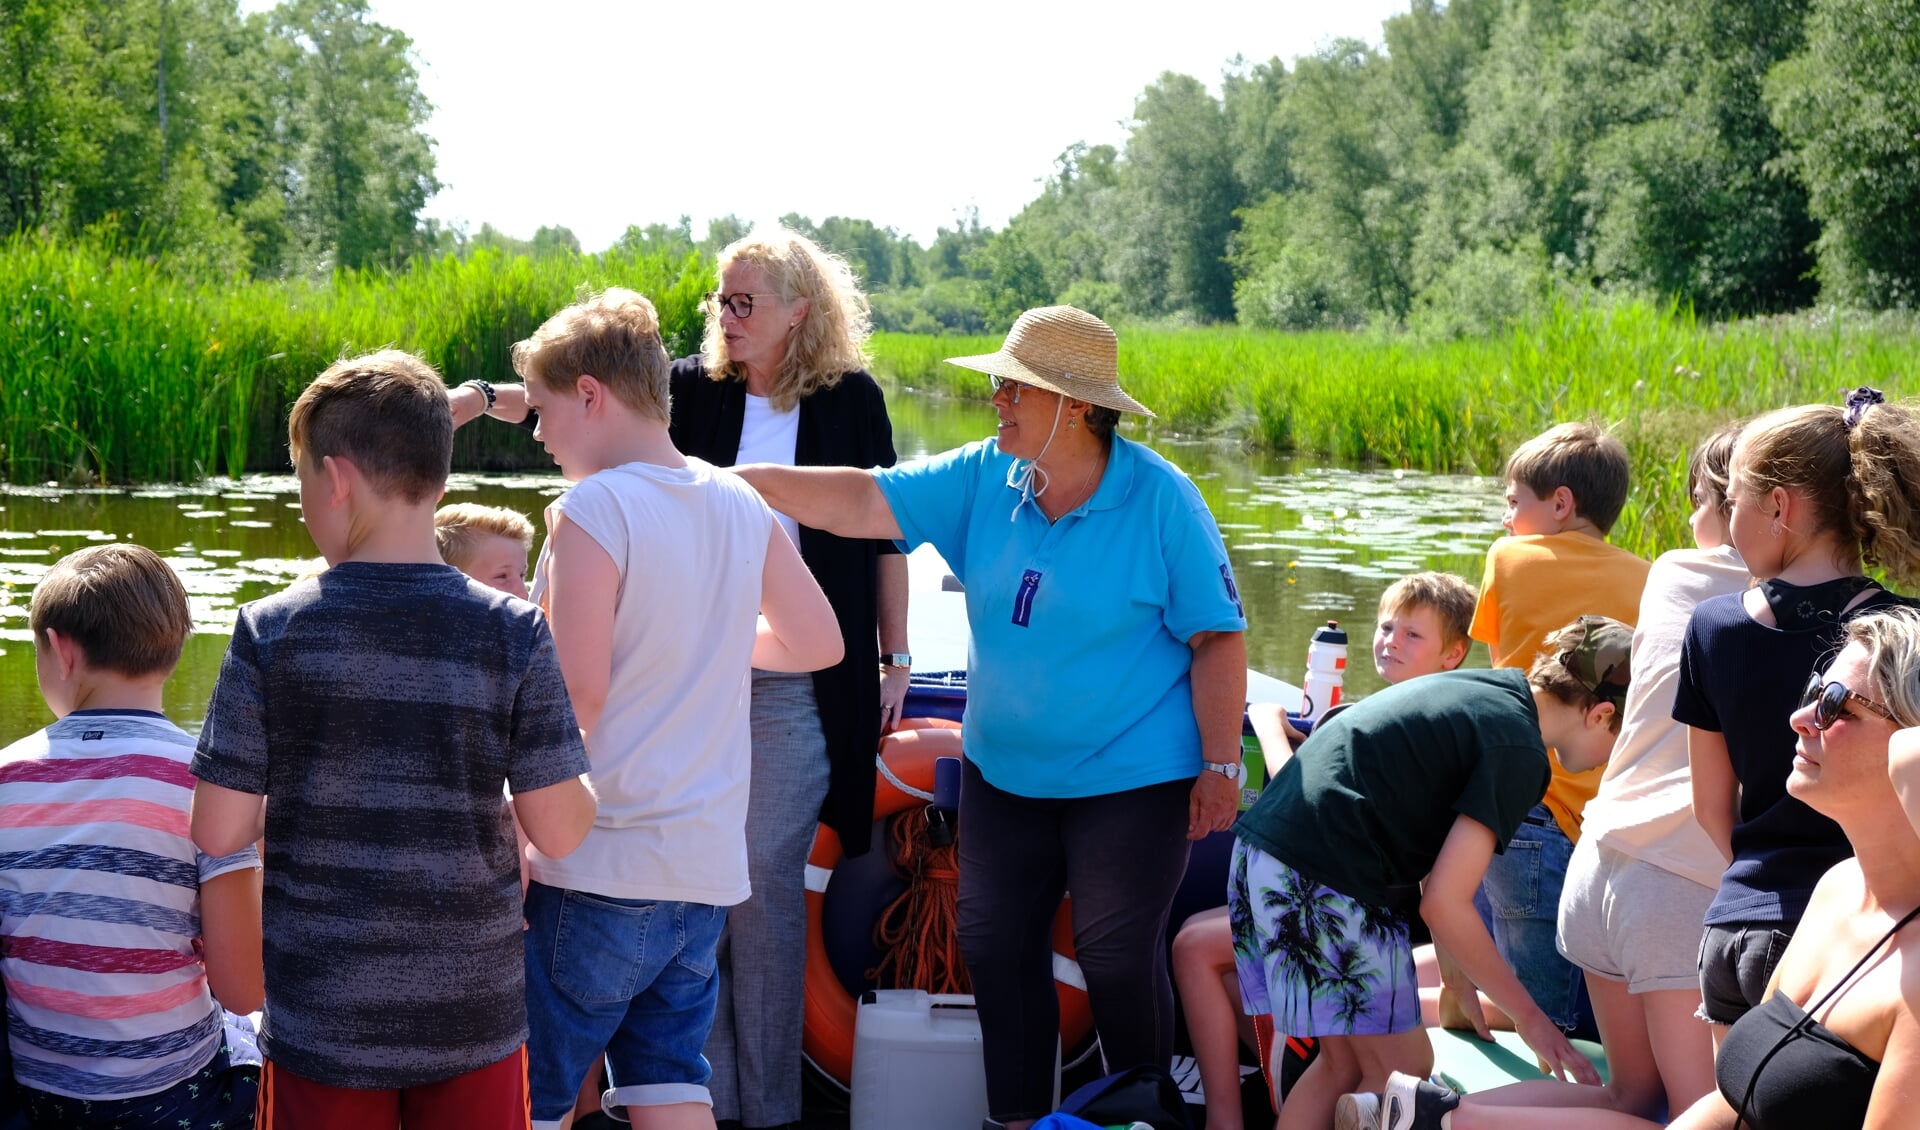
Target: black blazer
[[842, 426]]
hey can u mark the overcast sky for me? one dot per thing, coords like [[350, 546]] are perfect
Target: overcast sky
[[596, 114]]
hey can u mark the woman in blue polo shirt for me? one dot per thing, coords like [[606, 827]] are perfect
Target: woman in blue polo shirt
[[1107, 675]]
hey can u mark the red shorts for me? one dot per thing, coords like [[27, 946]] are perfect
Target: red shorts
[[494, 1097]]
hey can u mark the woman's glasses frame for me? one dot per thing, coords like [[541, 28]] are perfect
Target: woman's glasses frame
[[1829, 697], [1013, 387], [739, 303]]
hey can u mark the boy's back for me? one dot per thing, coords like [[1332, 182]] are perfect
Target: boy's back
[[100, 907], [671, 749], [1535, 584], [380, 707]]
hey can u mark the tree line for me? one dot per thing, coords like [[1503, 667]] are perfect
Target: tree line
[[1742, 157]]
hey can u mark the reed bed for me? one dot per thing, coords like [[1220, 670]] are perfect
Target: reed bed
[[118, 371], [1653, 374]]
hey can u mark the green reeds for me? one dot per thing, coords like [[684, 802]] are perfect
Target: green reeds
[[1654, 375], [115, 370]]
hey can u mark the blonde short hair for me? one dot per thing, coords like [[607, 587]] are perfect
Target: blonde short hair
[[387, 413], [1451, 598], [1586, 459], [459, 527], [830, 340], [613, 336], [122, 604], [1892, 641]]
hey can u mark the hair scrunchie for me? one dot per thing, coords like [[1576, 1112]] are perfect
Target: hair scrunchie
[[1859, 400]]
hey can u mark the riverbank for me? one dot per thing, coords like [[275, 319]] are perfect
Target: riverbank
[[1656, 376]]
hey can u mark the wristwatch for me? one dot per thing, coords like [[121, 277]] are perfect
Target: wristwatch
[[1231, 770], [896, 659]]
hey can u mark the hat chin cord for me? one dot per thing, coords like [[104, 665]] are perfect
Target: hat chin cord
[[1021, 477]]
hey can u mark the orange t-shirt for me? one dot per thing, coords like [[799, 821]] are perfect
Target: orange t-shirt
[[1536, 584]]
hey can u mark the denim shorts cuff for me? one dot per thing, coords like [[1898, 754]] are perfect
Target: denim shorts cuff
[[548, 1123], [616, 1100]]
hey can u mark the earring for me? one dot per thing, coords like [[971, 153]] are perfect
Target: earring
[[1073, 422]]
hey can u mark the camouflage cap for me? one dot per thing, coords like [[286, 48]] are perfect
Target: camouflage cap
[[1602, 660]]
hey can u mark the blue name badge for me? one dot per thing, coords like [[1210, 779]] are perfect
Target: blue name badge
[[1023, 600]]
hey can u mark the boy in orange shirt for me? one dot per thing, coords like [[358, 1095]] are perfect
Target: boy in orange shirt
[[1565, 489]]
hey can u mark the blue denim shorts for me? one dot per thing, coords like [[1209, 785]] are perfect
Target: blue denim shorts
[[634, 978], [1522, 908]]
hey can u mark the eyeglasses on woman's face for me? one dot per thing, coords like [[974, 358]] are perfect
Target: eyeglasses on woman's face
[[739, 303], [1013, 387], [1829, 698]]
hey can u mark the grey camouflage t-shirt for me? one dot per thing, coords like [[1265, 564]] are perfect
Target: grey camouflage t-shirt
[[380, 708]]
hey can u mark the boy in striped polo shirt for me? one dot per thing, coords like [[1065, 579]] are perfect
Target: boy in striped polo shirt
[[118, 935]]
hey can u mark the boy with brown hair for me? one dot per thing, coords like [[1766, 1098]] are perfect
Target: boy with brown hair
[[488, 543], [667, 581], [118, 935], [1565, 488], [382, 706]]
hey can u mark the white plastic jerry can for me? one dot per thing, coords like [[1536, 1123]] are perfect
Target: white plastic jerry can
[[1326, 671], [917, 1062]]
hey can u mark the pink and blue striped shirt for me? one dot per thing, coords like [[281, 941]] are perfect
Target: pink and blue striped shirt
[[100, 907]]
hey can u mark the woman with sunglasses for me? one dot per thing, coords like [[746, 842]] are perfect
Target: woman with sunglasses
[[1106, 687], [1818, 492], [781, 379], [1834, 1041]]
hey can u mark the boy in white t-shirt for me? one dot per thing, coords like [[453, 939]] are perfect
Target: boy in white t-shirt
[[665, 581]]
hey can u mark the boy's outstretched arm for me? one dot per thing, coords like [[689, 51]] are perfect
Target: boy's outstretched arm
[[557, 818], [798, 631], [230, 939], [1446, 904], [226, 820]]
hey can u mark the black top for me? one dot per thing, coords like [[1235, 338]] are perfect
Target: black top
[[1367, 802], [842, 426], [1800, 1073], [1743, 679]]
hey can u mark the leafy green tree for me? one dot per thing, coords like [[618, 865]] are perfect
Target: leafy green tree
[[1178, 198], [1848, 102]]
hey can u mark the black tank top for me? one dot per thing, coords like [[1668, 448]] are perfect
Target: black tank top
[[1780, 1069]]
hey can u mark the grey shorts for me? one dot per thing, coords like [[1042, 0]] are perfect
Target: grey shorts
[[1736, 962], [1627, 920]]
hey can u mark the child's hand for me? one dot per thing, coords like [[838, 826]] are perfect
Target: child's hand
[[1460, 1009], [1558, 1057]]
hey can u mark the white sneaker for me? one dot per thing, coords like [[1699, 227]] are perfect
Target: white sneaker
[[1359, 1111], [1413, 1103]]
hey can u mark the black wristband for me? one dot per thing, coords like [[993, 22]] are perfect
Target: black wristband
[[486, 390]]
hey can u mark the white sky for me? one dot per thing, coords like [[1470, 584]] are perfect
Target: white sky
[[595, 114]]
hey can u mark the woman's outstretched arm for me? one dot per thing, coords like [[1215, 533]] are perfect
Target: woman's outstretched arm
[[840, 500]]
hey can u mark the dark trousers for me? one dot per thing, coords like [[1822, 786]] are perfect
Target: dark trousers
[[1122, 855]]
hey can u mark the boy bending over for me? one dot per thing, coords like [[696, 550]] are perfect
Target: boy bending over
[[115, 928], [1393, 808], [366, 721]]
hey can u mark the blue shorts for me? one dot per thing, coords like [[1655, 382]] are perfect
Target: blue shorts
[[634, 978], [1522, 911], [1321, 963]]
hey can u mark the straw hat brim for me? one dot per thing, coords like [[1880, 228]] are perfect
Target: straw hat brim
[[1107, 394]]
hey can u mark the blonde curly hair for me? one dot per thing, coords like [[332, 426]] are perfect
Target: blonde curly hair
[[830, 340]]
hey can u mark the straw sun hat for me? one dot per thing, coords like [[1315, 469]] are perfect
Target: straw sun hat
[[1063, 350]]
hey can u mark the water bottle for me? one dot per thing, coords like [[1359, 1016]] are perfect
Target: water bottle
[[1326, 670]]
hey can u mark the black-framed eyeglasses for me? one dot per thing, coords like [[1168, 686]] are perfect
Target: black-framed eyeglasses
[[1829, 698], [740, 303]]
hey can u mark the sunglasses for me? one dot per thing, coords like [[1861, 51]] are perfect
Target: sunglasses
[[739, 303], [1828, 699]]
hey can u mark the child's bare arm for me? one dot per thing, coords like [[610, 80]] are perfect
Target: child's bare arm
[[1446, 904], [225, 820], [582, 581], [1716, 791], [558, 817], [798, 631], [1276, 737], [230, 939]]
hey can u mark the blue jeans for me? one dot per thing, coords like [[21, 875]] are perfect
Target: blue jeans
[[634, 978], [1522, 906]]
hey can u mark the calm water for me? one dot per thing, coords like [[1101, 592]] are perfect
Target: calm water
[[1308, 544]]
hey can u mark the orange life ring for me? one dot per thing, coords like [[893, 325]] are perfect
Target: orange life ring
[[908, 754]]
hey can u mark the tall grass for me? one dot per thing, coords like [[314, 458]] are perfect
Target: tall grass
[[1657, 377], [115, 370]]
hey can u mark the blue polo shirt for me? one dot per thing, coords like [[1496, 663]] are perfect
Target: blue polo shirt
[[1077, 672]]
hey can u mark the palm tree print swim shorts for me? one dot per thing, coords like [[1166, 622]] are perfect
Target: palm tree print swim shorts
[[1321, 963]]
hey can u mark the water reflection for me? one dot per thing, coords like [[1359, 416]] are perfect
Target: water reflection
[[1308, 544]]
